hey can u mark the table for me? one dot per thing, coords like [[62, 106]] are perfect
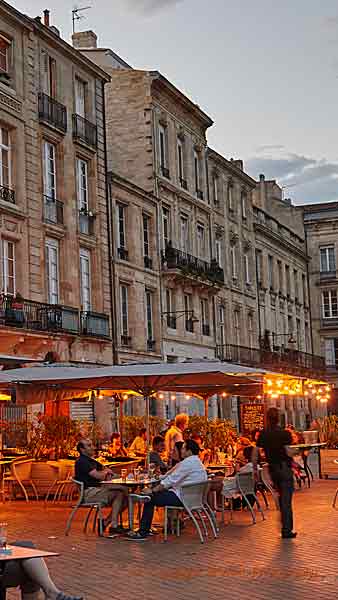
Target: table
[[22, 553], [132, 484], [220, 467], [303, 447]]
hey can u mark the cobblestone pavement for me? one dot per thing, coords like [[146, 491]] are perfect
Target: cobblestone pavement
[[245, 562]]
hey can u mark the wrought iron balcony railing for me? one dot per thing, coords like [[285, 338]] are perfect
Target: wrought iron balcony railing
[[184, 183], [177, 259], [7, 195], [165, 172], [95, 324], [151, 345], [189, 325], [199, 194], [148, 262], [86, 222], [84, 131], [52, 210], [122, 253], [52, 112]]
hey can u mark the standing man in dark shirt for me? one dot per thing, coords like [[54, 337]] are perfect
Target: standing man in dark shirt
[[274, 442], [91, 474]]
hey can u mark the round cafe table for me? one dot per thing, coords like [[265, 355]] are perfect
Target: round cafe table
[[132, 485]]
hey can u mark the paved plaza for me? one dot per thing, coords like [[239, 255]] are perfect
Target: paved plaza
[[245, 562]]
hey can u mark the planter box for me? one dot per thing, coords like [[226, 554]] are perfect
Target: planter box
[[329, 468]]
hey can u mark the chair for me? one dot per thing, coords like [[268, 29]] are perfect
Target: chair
[[133, 499], [246, 486], [81, 503], [192, 497], [21, 475], [266, 480], [63, 480], [335, 499]]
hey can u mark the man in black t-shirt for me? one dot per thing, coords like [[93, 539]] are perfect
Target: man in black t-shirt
[[274, 442], [91, 473]]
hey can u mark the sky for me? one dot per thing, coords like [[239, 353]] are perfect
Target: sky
[[266, 72]]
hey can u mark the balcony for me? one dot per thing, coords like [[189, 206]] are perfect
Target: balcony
[[95, 324], [189, 325], [171, 322], [52, 112], [86, 222], [286, 360], [199, 194], [126, 340], [205, 329], [192, 266], [84, 131], [151, 345], [148, 263], [7, 195], [122, 253], [52, 211], [183, 183], [165, 172]]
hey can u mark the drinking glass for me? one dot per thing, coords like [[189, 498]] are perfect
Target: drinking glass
[[124, 473], [136, 474], [3, 536]]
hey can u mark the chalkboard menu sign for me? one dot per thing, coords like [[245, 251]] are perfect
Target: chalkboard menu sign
[[252, 417]]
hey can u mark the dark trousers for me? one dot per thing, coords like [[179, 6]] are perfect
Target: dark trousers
[[282, 478], [164, 498]]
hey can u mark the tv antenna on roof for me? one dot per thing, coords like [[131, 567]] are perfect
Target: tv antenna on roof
[[76, 16]]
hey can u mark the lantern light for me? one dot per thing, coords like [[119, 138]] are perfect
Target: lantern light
[[125, 396], [173, 397]]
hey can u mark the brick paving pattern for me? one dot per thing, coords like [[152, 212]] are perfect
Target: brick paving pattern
[[246, 561]]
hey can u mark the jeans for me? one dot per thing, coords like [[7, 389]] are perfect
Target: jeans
[[164, 498], [282, 478]]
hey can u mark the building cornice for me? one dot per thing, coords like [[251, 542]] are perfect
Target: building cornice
[[286, 244], [231, 167]]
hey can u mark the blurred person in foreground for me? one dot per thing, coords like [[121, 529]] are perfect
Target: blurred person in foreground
[[275, 442], [175, 434]]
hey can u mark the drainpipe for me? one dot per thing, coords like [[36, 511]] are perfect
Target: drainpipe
[[111, 261], [310, 308]]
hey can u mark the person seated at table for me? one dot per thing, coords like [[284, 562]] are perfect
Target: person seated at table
[[155, 458], [175, 434], [243, 442], [204, 452], [176, 456], [139, 445], [245, 468], [168, 491], [91, 473], [32, 576], [116, 447]]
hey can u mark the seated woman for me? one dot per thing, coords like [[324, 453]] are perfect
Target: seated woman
[[204, 452], [31, 575], [116, 447]]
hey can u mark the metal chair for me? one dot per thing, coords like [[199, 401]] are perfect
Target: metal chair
[[81, 503], [21, 475], [135, 499], [192, 497], [266, 479], [62, 482], [246, 486]]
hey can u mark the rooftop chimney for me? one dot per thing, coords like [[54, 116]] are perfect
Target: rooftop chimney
[[262, 177], [46, 14], [84, 39]]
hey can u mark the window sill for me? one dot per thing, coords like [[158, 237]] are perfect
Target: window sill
[[12, 209], [9, 89]]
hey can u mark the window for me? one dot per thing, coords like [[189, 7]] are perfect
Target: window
[[218, 252], [170, 308], [304, 287], [48, 75], [180, 159], [259, 267], [82, 184], [188, 308], [237, 327], [247, 268], [244, 200], [146, 236], [5, 53], [49, 183], [124, 310], [221, 325], [250, 330], [149, 315], [85, 277], [215, 190], [5, 158], [166, 226], [288, 280], [270, 271], [80, 97], [233, 262], [329, 304], [299, 334], [307, 338], [121, 226], [290, 325], [197, 171], [200, 240], [52, 267], [162, 132], [185, 246], [327, 259], [205, 316], [280, 275], [295, 278], [231, 196], [8, 267], [331, 352]]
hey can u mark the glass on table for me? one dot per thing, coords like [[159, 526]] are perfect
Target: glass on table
[[3, 536], [124, 473], [136, 472]]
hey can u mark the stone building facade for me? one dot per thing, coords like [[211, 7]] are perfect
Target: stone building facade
[[55, 280]]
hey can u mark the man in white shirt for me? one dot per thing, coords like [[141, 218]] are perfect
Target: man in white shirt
[[168, 492], [175, 434]]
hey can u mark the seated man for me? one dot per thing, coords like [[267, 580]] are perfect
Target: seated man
[[167, 492], [139, 445], [116, 447], [91, 473], [155, 455], [31, 575]]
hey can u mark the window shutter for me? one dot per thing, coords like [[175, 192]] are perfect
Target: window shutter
[[45, 72]]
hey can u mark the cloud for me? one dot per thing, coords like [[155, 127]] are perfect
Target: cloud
[[150, 7], [304, 178]]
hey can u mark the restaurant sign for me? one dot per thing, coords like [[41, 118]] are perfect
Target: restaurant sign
[[252, 417]]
